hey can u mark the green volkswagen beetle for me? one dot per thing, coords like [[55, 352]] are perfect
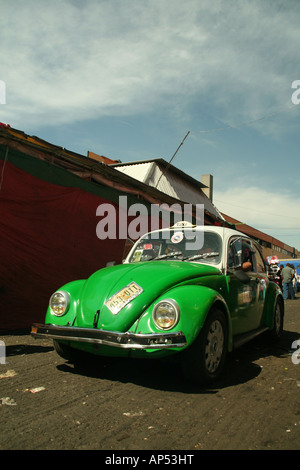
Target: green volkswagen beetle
[[196, 292]]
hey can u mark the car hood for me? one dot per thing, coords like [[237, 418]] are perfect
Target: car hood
[[153, 278]]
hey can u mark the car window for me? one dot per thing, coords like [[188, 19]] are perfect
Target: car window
[[260, 265], [234, 257], [187, 245], [240, 251]]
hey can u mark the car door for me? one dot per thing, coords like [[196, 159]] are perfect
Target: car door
[[244, 286]]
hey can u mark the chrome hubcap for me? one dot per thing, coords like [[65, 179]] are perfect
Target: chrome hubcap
[[214, 346]]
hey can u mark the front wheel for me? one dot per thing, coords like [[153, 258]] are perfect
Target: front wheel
[[65, 351], [203, 361]]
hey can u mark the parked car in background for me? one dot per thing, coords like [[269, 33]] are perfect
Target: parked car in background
[[193, 293]]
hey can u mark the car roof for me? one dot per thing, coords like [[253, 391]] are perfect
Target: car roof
[[224, 232]]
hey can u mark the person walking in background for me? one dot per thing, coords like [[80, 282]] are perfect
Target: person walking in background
[[294, 278], [287, 275]]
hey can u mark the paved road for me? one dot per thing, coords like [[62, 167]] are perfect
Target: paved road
[[46, 403]]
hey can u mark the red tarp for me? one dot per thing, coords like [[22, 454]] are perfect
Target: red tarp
[[47, 238]]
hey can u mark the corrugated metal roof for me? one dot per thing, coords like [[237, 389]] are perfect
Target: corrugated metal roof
[[171, 181], [165, 166], [138, 171]]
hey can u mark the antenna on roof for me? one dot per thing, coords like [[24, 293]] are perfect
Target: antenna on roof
[[168, 166]]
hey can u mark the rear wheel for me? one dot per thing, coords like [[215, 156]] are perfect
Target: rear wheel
[[277, 330], [204, 360]]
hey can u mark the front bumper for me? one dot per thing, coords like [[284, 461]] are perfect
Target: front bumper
[[110, 338]]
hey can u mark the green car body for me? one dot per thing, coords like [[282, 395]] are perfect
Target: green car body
[[162, 302]]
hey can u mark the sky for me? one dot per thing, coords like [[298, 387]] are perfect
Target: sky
[[128, 79]]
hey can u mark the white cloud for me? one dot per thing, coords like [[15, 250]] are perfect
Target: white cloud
[[72, 60], [275, 213], [66, 61]]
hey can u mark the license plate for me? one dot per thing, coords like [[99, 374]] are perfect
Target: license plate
[[123, 297]]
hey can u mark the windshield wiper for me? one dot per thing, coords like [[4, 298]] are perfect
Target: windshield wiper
[[202, 256], [167, 255]]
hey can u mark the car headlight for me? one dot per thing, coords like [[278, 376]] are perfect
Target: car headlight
[[59, 303], [166, 314]]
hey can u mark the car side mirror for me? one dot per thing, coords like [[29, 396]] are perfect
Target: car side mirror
[[241, 276], [110, 263]]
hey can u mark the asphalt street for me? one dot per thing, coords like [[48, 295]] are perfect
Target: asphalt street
[[123, 405]]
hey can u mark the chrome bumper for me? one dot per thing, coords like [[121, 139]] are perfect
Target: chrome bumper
[[110, 338]]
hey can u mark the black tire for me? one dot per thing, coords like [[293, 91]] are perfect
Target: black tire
[[65, 351], [276, 332], [203, 361]]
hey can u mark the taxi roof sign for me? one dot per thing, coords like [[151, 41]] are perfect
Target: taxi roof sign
[[183, 224]]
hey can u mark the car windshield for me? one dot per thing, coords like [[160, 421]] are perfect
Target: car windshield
[[188, 245]]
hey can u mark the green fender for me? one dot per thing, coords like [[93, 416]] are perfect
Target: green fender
[[195, 302], [273, 294], [74, 289]]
